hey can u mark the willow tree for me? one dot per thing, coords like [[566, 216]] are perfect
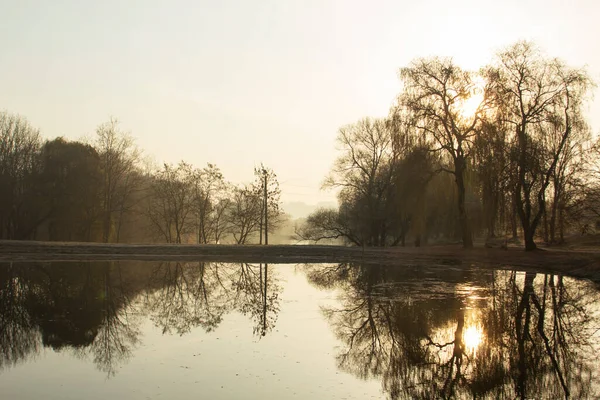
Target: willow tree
[[540, 99], [446, 108]]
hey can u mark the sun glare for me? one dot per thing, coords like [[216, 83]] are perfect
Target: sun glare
[[472, 337], [469, 106]]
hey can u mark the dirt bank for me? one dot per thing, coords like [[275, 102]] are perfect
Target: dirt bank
[[581, 264]]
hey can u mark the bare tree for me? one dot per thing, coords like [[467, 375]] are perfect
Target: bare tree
[[211, 198], [119, 157], [245, 210], [567, 179], [364, 171], [437, 94], [328, 224], [170, 203], [541, 100], [19, 149], [272, 214]]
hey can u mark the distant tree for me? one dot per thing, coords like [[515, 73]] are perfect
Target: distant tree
[[364, 173], [219, 222], [245, 211], [70, 186], [272, 215], [329, 224], [171, 201], [19, 148], [119, 158], [541, 100], [211, 199]]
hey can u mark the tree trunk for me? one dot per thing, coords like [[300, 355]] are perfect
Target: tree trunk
[[199, 233], [553, 215], [523, 194], [119, 224], [260, 226], [492, 226], [561, 225], [467, 239], [528, 227], [266, 215], [548, 229], [513, 221], [490, 208], [529, 234], [106, 227]]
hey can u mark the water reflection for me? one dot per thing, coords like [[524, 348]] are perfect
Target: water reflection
[[422, 332], [94, 310], [474, 334], [199, 294]]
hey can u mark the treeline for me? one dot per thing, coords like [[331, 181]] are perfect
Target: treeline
[[104, 191], [502, 152]]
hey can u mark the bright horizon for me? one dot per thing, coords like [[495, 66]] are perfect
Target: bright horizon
[[237, 84]]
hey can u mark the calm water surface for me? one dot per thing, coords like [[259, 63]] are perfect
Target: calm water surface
[[152, 330]]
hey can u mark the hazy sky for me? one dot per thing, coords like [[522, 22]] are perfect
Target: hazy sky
[[239, 82]]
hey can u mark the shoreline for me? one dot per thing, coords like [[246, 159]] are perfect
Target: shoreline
[[578, 264]]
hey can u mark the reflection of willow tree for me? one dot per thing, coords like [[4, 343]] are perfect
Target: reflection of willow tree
[[199, 294], [502, 335], [76, 306], [551, 340]]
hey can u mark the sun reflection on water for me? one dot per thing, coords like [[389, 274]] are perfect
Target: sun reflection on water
[[472, 337]]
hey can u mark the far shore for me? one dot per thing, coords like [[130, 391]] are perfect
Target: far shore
[[575, 263]]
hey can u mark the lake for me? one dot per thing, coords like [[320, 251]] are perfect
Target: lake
[[151, 330]]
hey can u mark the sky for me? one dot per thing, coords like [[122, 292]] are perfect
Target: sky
[[237, 83]]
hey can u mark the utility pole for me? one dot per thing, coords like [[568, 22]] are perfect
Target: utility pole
[[260, 226], [266, 207]]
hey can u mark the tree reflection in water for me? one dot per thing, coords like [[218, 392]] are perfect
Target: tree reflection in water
[[199, 294], [81, 307], [19, 335], [447, 333], [94, 309]]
